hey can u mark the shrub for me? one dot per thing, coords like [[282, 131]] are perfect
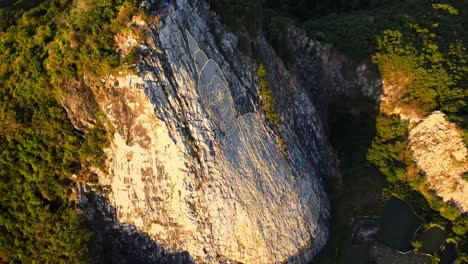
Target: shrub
[[416, 246], [266, 97]]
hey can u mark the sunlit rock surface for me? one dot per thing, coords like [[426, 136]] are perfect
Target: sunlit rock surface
[[193, 162], [439, 151]]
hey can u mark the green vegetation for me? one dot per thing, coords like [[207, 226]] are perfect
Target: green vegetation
[[267, 99], [358, 28], [425, 56], [361, 26], [416, 246], [305, 9], [239, 16], [268, 105], [40, 50], [435, 259], [421, 48], [417, 45], [436, 71], [276, 32], [388, 150], [242, 17]]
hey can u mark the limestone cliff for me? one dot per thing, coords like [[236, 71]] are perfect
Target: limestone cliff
[[439, 151], [194, 164]]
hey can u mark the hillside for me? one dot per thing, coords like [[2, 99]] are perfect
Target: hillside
[[226, 131]]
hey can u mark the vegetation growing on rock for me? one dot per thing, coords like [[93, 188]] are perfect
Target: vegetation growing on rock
[[267, 99], [268, 104]]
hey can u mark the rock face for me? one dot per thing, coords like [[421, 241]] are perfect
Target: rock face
[[439, 151], [193, 162], [326, 73]]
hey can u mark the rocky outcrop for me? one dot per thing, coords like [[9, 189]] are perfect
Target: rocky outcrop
[[78, 100], [436, 144], [439, 151], [326, 73], [193, 162]]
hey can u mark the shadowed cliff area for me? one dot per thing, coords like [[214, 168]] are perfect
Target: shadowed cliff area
[[15, 4], [358, 192], [115, 242]]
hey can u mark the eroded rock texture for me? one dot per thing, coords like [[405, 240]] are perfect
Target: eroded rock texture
[[439, 151], [194, 164]]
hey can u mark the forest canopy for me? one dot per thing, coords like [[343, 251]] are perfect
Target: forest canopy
[[42, 45]]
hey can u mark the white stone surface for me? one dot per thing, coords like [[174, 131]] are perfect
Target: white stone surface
[[439, 151], [194, 172]]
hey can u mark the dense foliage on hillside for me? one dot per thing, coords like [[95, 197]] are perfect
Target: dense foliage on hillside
[[40, 50], [431, 53], [426, 57], [420, 47]]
